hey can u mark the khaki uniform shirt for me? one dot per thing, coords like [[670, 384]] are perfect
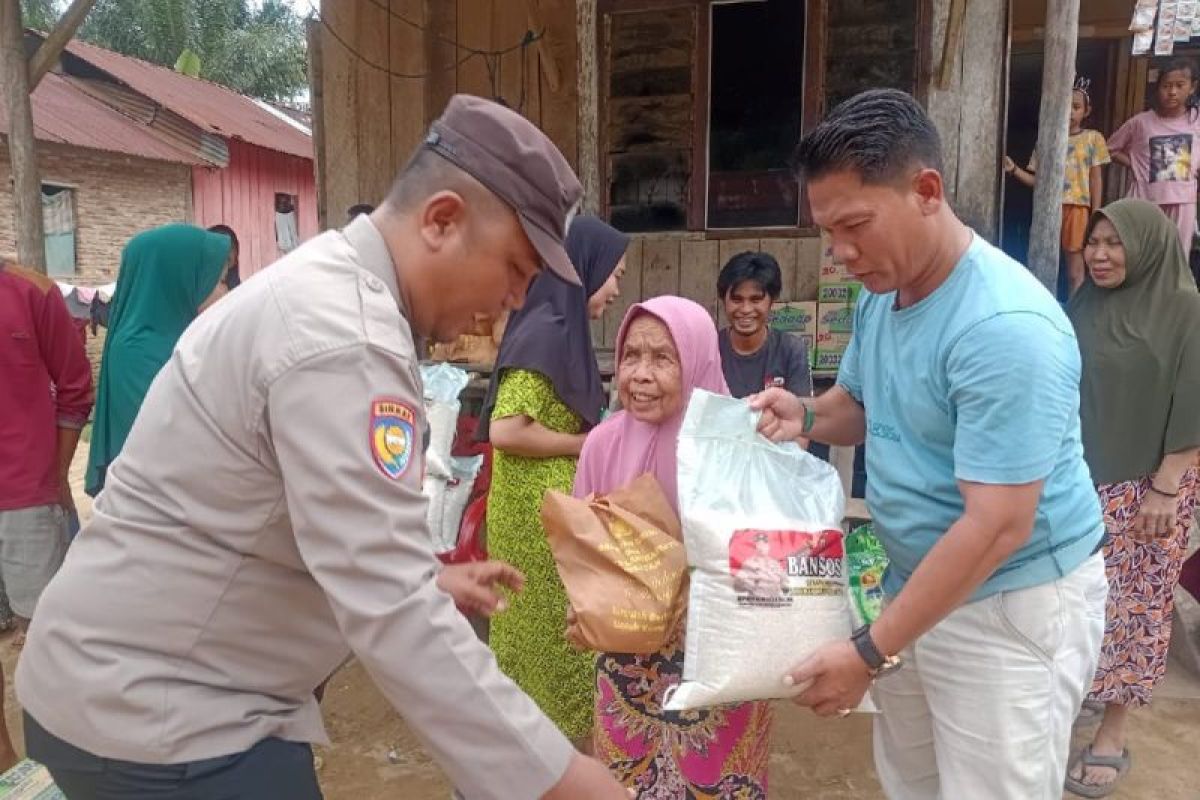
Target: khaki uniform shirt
[[264, 520]]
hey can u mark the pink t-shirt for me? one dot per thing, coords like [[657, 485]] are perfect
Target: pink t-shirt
[[1165, 155]]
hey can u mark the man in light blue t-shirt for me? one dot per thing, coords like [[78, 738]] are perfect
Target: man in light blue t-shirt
[[963, 377]]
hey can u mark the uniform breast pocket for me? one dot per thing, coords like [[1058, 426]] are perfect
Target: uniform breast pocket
[[19, 348]]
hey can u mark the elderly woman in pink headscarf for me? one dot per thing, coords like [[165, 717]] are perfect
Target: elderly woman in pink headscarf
[[666, 348]]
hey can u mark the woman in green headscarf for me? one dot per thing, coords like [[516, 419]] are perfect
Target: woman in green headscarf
[[1137, 317], [168, 276]]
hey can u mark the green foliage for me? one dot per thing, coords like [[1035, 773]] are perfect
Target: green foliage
[[188, 63], [257, 50], [39, 14]]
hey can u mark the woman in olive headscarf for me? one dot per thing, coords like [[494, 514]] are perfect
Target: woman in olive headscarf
[[1137, 317], [168, 276]]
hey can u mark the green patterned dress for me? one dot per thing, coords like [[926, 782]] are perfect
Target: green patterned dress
[[527, 638]]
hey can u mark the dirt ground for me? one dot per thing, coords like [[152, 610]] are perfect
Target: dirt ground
[[811, 759], [374, 755]]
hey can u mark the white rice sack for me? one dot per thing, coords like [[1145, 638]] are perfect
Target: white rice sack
[[443, 384], [457, 494], [443, 423], [434, 489], [762, 528]]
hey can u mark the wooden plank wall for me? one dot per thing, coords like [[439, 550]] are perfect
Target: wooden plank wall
[[389, 66], [373, 117], [968, 111], [688, 265]]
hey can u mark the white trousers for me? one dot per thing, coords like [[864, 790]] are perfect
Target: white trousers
[[983, 707]]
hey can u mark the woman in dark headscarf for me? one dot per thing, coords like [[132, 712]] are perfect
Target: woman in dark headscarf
[[168, 276], [546, 393], [1137, 317]]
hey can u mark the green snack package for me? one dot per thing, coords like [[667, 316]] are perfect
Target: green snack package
[[865, 563]]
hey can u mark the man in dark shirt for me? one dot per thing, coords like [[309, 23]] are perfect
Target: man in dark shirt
[[753, 356]]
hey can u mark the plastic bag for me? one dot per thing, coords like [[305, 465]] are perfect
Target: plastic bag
[[621, 561], [866, 561], [443, 384], [762, 529], [1143, 16], [434, 489], [458, 493], [448, 499]]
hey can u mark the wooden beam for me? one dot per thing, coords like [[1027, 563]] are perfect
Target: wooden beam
[[586, 33], [405, 122], [551, 70], [339, 101], [316, 83], [982, 79], [52, 46], [22, 149], [441, 20], [556, 78], [631, 292], [1058, 76], [958, 10], [698, 268]]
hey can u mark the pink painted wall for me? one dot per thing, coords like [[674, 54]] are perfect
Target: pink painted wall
[[242, 196]]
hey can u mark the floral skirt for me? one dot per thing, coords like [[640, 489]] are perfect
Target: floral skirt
[[714, 754], [1141, 585]]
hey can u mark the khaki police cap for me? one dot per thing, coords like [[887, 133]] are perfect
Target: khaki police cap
[[519, 164]]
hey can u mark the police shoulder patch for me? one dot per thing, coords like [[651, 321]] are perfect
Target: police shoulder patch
[[391, 435]]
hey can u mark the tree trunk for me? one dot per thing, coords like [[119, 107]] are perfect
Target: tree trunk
[[1058, 76], [27, 189]]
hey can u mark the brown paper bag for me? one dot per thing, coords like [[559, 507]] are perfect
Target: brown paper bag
[[622, 561]]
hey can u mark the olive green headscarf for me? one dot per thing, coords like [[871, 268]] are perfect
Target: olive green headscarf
[[1141, 350], [166, 273]]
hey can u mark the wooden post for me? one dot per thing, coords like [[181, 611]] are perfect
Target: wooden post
[[1058, 76], [589, 104], [316, 88], [52, 46], [950, 48], [27, 188]]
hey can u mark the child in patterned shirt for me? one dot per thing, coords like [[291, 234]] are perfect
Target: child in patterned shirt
[[1083, 180]]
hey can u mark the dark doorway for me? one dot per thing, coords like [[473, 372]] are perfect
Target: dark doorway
[[1024, 99], [755, 85]]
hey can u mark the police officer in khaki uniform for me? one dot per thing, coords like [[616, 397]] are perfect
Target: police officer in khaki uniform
[[265, 518]]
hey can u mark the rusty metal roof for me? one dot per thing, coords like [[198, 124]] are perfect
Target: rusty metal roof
[[213, 108], [64, 113]]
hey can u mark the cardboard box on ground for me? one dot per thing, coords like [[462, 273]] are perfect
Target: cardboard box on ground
[[837, 292], [480, 345]]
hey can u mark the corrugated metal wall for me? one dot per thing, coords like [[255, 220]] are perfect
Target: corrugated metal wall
[[242, 196]]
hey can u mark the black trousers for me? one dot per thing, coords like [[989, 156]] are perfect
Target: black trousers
[[272, 769]]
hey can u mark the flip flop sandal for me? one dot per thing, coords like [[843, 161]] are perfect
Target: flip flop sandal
[[1120, 763]]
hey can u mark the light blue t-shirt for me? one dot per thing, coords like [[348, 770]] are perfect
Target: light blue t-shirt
[[977, 382]]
